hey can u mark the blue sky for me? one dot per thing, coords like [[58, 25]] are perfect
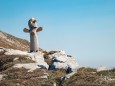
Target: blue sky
[[83, 28]]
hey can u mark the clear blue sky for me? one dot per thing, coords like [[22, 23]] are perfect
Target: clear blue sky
[[83, 28]]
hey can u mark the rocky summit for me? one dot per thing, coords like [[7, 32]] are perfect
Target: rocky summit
[[46, 62], [58, 60], [17, 64], [18, 67]]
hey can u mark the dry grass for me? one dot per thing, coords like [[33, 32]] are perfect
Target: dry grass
[[22, 73], [21, 76], [89, 77], [56, 73], [19, 44], [23, 82]]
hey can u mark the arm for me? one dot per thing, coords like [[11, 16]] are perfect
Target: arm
[[39, 29], [26, 30]]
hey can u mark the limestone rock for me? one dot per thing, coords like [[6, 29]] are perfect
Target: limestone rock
[[37, 57], [15, 52], [60, 60], [39, 62], [102, 68], [1, 76]]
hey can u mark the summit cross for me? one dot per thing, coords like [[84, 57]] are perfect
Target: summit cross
[[33, 29]]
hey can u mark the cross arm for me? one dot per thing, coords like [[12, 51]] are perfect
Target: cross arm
[[39, 29], [26, 30]]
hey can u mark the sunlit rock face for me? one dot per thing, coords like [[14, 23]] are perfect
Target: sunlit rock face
[[61, 60], [36, 57]]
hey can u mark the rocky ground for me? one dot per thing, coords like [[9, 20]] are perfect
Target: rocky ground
[[35, 69], [53, 68], [18, 67]]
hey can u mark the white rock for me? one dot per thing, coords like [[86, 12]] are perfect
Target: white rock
[[43, 77], [102, 68], [61, 58], [30, 66], [36, 57], [39, 62], [1, 76], [69, 75], [59, 65], [15, 52], [63, 61], [15, 59], [62, 51]]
